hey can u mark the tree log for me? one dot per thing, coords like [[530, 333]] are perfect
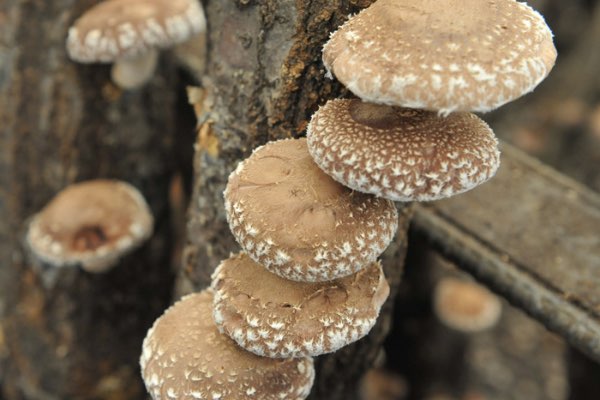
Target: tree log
[[264, 79], [67, 333]]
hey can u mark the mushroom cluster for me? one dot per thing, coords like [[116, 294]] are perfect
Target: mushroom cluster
[[313, 215], [307, 283]]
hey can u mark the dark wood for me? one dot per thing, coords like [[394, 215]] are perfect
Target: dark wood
[[264, 80], [66, 333], [532, 235], [430, 356], [583, 376], [515, 359]]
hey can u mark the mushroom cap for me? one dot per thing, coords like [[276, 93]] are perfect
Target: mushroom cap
[[91, 223], [184, 357], [275, 317], [465, 306], [114, 29], [300, 224], [402, 154], [443, 55]]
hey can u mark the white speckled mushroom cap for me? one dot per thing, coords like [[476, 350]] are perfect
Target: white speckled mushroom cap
[[300, 224], [184, 357], [465, 306], [402, 154], [128, 28], [92, 224], [275, 317], [443, 55]]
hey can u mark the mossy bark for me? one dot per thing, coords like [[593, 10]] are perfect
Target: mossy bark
[[264, 79], [66, 334]]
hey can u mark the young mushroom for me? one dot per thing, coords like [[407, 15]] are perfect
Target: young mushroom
[[465, 306], [299, 223], [275, 317], [129, 32], [184, 357], [91, 224], [402, 154], [442, 55]]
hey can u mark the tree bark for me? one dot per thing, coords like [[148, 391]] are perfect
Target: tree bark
[[264, 79], [67, 333]]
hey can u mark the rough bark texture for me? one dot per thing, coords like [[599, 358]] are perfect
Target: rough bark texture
[[65, 333], [264, 80]]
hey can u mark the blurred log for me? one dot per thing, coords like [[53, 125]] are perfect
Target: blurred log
[[530, 234], [264, 80], [68, 334]]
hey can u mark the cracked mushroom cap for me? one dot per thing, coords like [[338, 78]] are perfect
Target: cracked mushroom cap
[[184, 357], [275, 317], [300, 224], [116, 29], [443, 55], [92, 224], [402, 154], [465, 306]]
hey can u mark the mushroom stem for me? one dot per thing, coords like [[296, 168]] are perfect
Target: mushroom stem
[[132, 72]]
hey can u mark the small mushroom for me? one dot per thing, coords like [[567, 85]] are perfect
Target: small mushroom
[[128, 32], [465, 306], [381, 384], [299, 223], [275, 317], [91, 224], [184, 357], [442, 55], [402, 154]]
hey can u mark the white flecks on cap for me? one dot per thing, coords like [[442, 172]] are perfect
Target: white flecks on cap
[[442, 55], [299, 223], [275, 317], [185, 357], [91, 224], [402, 154], [465, 306], [128, 28]]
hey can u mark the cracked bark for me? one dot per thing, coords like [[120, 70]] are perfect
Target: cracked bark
[[264, 79], [65, 333]]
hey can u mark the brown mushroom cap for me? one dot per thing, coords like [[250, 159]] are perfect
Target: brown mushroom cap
[[275, 317], [300, 224], [465, 306], [443, 55], [402, 154], [90, 223], [116, 29], [184, 357]]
